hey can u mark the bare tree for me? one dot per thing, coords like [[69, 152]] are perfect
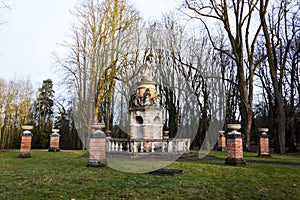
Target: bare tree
[[280, 29], [99, 41], [238, 21], [16, 99]]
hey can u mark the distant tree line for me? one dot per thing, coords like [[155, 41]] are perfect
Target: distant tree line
[[19, 106]]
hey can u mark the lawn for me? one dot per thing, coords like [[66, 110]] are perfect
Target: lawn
[[64, 175]]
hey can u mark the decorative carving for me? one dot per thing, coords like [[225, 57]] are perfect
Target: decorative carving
[[146, 94], [145, 100]]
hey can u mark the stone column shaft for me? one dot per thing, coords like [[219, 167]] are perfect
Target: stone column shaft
[[97, 156], [235, 155], [264, 150], [221, 142], [25, 149]]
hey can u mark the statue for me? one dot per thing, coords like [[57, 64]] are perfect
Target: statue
[[147, 73], [147, 98]]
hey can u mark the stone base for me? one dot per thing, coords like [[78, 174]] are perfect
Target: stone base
[[264, 154], [54, 149], [235, 161], [24, 155], [97, 163]]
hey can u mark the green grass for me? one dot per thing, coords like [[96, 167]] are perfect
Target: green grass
[[254, 156], [64, 175]]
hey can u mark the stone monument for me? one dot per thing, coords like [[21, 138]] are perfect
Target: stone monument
[[145, 108], [146, 112]]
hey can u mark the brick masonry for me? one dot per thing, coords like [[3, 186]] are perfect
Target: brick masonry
[[54, 141], [235, 148], [221, 143], [97, 148], [264, 144], [264, 150], [25, 144]]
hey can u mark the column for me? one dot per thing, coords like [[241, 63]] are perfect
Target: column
[[264, 150], [97, 156], [25, 150], [54, 141], [221, 141], [234, 146], [166, 135]]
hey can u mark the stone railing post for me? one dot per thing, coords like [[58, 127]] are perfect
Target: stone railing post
[[25, 150], [221, 141], [234, 146], [97, 156], [264, 150], [54, 141], [166, 135], [170, 146]]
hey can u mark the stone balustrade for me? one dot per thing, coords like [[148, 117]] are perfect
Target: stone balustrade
[[174, 145]]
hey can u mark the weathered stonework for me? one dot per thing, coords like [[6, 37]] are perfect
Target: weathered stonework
[[146, 112], [25, 149], [264, 150], [54, 141], [97, 156], [235, 155], [221, 142]]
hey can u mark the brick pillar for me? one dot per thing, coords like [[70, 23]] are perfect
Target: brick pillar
[[264, 150], [54, 141], [235, 154], [25, 150], [221, 142], [97, 147]]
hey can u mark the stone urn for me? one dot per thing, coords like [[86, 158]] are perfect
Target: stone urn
[[263, 131], [55, 131], [166, 135], [221, 133], [233, 128], [27, 129]]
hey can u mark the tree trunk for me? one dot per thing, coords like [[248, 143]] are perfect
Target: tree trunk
[[279, 106]]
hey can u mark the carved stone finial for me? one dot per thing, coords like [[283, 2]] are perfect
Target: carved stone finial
[[147, 69]]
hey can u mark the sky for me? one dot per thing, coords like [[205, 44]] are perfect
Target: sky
[[34, 29]]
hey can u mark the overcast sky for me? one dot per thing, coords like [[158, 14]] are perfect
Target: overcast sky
[[34, 29]]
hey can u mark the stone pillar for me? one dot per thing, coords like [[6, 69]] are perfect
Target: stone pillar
[[234, 146], [25, 150], [264, 150], [54, 141], [97, 147], [221, 142]]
